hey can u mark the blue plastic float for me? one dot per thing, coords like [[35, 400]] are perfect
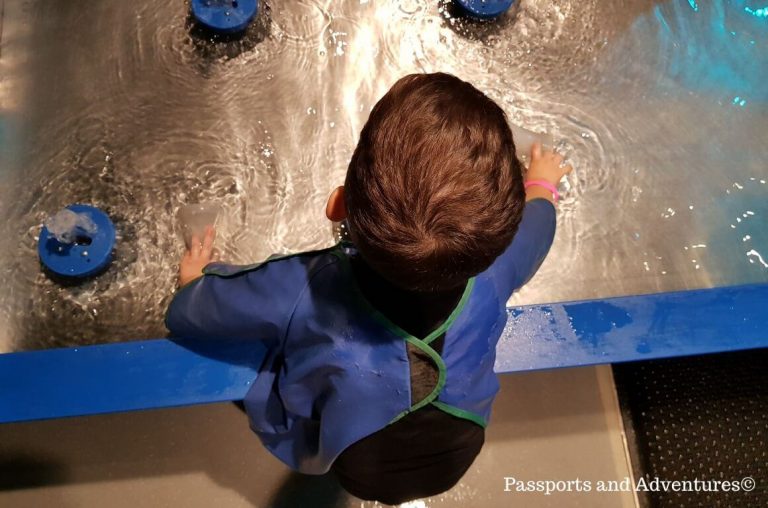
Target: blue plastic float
[[87, 255], [485, 9], [225, 16]]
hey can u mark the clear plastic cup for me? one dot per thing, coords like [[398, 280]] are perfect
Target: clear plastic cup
[[524, 140], [194, 218]]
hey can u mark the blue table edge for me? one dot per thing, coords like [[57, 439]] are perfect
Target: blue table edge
[[163, 373]]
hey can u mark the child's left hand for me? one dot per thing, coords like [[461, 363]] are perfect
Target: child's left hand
[[199, 254]]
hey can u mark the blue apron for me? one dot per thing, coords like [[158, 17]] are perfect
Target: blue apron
[[337, 369]]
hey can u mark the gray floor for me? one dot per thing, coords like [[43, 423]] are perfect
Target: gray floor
[[553, 425]]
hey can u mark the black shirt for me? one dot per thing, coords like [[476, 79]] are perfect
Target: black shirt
[[426, 452]]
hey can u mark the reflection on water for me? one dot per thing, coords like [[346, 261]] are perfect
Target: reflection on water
[[661, 106]]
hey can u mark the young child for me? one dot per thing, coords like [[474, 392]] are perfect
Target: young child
[[381, 352]]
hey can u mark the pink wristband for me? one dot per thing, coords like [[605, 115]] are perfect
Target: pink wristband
[[547, 185]]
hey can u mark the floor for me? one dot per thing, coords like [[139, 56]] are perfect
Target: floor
[[551, 425], [703, 418]]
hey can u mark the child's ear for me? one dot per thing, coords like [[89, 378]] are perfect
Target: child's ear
[[336, 209]]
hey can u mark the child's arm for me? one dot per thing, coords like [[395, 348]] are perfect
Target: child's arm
[[534, 237], [229, 301]]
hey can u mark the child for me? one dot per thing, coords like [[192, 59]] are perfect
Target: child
[[381, 352]]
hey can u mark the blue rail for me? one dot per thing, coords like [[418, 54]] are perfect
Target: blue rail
[[165, 373]]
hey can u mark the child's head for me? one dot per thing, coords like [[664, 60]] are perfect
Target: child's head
[[434, 192]]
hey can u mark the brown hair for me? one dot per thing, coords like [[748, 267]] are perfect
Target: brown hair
[[434, 191]]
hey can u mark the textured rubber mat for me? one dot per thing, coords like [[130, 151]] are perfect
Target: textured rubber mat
[[698, 421]]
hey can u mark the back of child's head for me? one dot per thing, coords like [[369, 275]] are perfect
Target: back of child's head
[[434, 191]]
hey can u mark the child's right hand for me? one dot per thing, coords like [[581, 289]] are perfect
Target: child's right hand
[[545, 165]]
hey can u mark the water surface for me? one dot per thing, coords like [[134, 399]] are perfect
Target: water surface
[[661, 107]]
